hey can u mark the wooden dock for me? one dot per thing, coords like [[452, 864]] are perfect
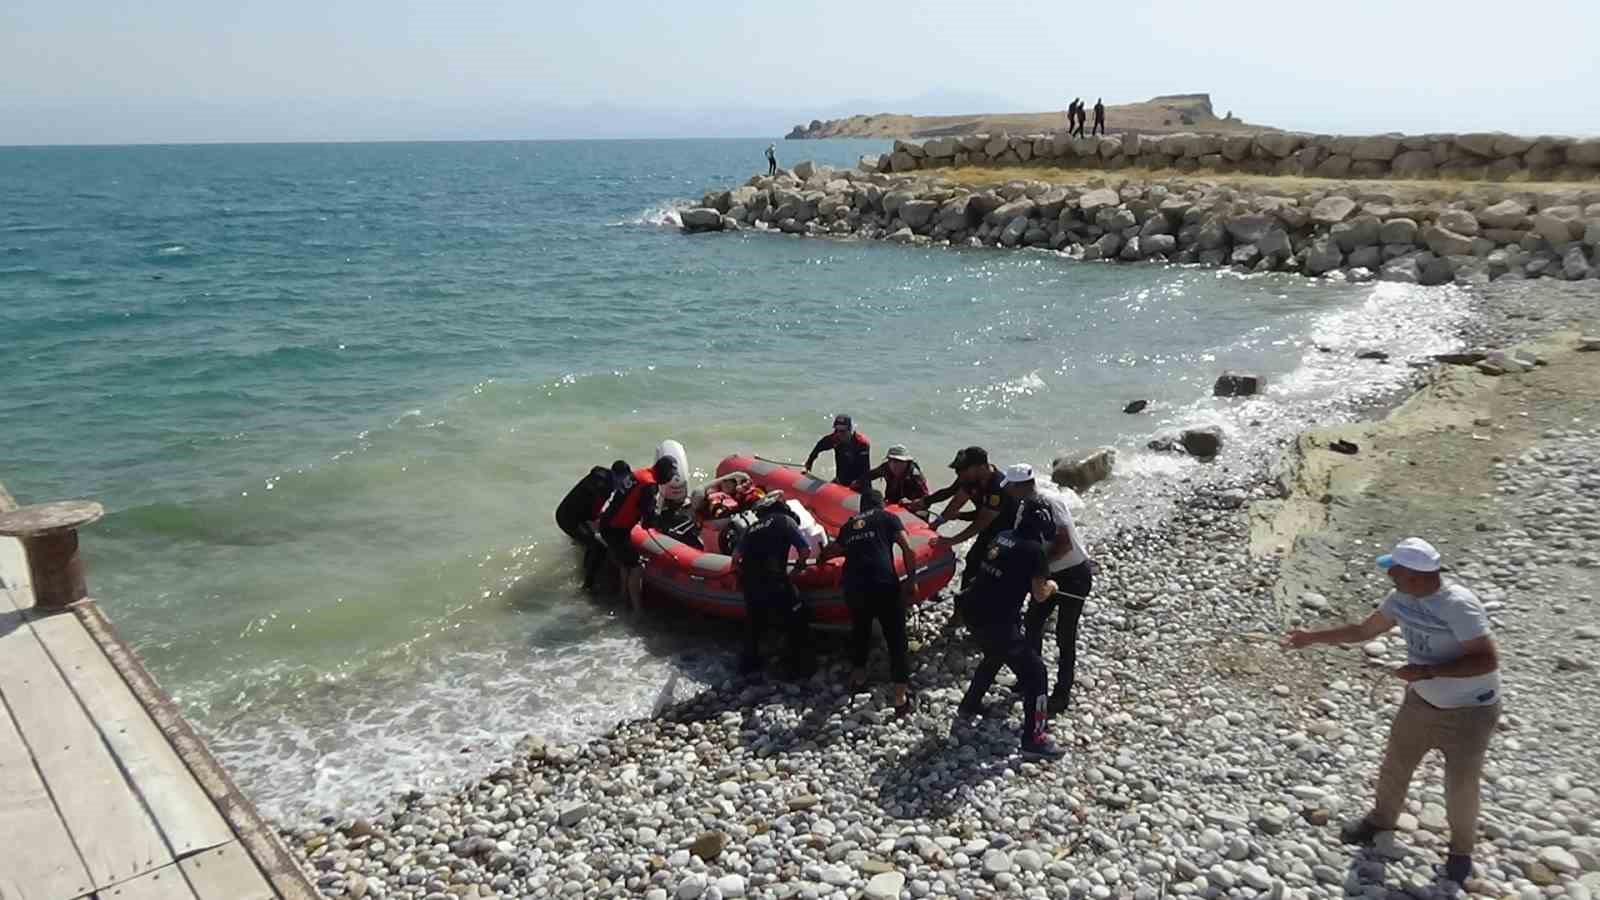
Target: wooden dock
[[105, 791]]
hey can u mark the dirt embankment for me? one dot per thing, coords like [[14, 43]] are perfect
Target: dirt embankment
[[1159, 115]]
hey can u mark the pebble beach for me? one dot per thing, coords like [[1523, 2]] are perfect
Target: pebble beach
[[1203, 760]]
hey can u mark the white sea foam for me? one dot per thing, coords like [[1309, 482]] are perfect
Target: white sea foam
[[665, 215]]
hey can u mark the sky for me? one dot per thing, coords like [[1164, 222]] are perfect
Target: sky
[[111, 71]]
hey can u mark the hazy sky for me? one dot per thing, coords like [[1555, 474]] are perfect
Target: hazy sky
[[109, 71]]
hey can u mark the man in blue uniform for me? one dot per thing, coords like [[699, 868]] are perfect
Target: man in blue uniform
[[980, 484], [762, 561], [1014, 567], [852, 452], [873, 592]]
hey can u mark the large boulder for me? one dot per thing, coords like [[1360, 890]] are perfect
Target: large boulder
[[1400, 230], [1479, 145], [1236, 147], [1081, 471], [1334, 167], [1132, 251], [1459, 220], [1362, 231], [1251, 228], [1157, 245], [1510, 145], [699, 219], [1277, 144], [1403, 270], [1574, 265], [902, 162], [1413, 164], [1332, 210], [1275, 243], [1014, 230], [1006, 212], [1445, 242], [1505, 214], [941, 149], [1203, 442], [1324, 256], [1584, 153], [917, 213], [1379, 147], [1235, 384], [1096, 200], [1559, 224], [954, 214], [804, 169], [893, 200]]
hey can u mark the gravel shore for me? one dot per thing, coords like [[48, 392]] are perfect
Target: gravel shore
[[1204, 761]]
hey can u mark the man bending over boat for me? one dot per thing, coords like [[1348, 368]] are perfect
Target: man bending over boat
[[762, 563], [633, 503], [872, 591], [852, 452], [980, 484], [576, 517], [902, 477]]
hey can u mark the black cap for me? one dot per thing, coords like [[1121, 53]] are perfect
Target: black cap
[[971, 456], [871, 499], [665, 467], [842, 423], [621, 467]]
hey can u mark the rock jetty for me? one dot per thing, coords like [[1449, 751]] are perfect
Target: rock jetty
[[1470, 157], [1353, 231]]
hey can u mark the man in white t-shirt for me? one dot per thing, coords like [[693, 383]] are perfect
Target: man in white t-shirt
[[1452, 702], [1069, 569]]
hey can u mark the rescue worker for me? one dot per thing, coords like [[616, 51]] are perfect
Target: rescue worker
[[1013, 567], [633, 502], [852, 452], [762, 563], [902, 477], [576, 515], [1099, 119], [979, 483], [1070, 569], [873, 592]]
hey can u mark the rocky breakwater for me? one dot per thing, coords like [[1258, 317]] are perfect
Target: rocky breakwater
[[1474, 157], [1341, 230]]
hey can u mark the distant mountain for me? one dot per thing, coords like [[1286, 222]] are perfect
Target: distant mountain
[[1165, 114]]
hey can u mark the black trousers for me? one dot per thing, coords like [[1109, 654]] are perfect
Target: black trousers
[[772, 167], [974, 558], [1005, 645], [1099, 126], [1078, 580], [594, 549], [881, 603], [766, 598]]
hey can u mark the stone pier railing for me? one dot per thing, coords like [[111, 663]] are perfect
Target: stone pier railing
[[1474, 157]]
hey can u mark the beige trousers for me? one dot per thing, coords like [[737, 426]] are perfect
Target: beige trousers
[[1462, 735]]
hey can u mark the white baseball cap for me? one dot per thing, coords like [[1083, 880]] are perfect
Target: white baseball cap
[[1413, 553], [1021, 473]]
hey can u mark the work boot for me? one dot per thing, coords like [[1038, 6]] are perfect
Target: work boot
[[1360, 832], [1042, 749], [1457, 867], [1058, 703]]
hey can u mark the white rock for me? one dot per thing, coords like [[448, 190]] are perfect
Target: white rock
[[1559, 861], [996, 861], [885, 886]]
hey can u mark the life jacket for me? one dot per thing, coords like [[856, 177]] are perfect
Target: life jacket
[[627, 512]]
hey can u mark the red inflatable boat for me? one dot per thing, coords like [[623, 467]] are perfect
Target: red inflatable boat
[[705, 580]]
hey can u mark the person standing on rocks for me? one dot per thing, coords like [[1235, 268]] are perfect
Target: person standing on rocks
[[980, 483], [852, 453], [1076, 117], [1013, 567], [902, 477], [1069, 569], [762, 563], [871, 590], [1099, 118], [1452, 699], [772, 159]]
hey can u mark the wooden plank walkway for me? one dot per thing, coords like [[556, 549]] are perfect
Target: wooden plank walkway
[[105, 792]]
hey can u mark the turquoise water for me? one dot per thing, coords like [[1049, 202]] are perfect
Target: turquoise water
[[330, 395]]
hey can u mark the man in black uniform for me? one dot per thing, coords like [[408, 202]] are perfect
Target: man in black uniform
[[852, 452], [1099, 118], [762, 562], [872, 591], [576, 516], [980, 483], [1014, 566]]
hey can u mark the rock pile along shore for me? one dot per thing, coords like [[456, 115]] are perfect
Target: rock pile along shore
[[1338, 230], [1468, 157], [1204, 762]]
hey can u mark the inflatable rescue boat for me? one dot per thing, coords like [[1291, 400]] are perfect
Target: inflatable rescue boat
[[703, 578]]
